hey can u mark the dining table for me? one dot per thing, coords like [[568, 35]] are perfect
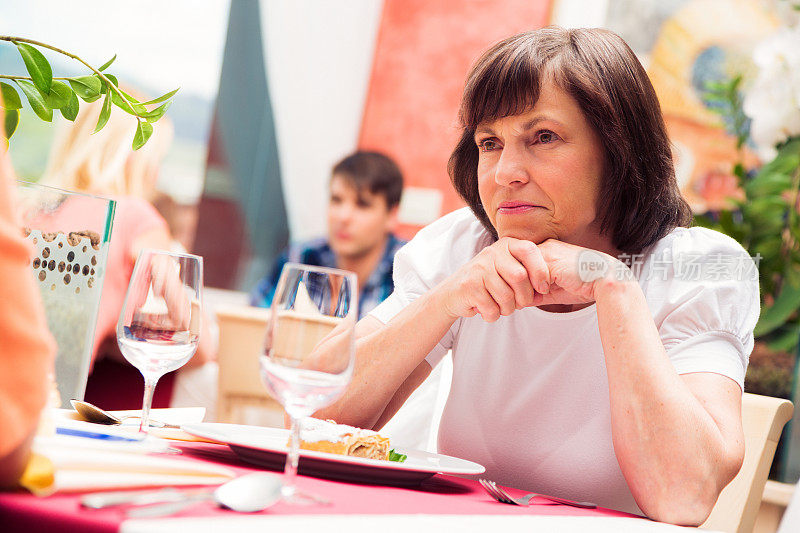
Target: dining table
[[439, 503]]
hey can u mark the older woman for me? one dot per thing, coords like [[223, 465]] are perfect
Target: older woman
[[590, 360]]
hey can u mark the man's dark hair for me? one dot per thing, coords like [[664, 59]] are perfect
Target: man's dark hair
[[639, 202], [374, 172]]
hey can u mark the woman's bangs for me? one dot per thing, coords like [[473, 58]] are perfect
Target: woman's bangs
[[505, 86]]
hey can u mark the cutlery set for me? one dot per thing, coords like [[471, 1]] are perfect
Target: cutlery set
[[249, 493]]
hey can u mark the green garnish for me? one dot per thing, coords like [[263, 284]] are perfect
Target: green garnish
[[397, 457]]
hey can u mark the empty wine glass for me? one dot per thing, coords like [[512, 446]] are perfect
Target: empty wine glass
[[310, 348], [159, 326]]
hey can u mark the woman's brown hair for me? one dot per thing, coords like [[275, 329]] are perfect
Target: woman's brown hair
[[639, 201]]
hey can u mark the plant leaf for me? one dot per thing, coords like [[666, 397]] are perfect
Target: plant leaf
[[11, 122], [135, 108], [104, 113], [776, 315], [162, 98], [10, 97], [59, 96], [37, 66], [785, 340], [87, 87], [107, 63], [765, 206], [156, 113], [35, 100], [143, 132], [768, 248], [70, 111], [768, 183], [104, 85]]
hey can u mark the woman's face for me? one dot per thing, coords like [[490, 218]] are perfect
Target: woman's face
[[539, 172]]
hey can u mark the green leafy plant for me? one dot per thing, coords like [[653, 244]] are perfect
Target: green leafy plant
[[765, 222], [46, 93]]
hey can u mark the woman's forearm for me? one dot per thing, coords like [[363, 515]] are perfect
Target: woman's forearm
[[386, 355], [673, 454]]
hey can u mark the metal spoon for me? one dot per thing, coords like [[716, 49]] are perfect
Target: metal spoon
[[92, 413], [245, 494]]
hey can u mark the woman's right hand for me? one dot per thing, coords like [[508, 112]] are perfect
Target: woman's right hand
[[502, 278]]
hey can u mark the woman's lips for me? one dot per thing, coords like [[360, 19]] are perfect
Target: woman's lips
[[515, 208]]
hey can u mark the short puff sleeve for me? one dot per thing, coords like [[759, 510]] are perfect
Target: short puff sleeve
[[702, 290]]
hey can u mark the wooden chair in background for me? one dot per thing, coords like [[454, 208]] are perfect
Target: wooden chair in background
[[763, 418], [243, 398]]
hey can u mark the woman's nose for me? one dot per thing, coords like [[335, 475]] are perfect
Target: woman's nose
[[511, 168]]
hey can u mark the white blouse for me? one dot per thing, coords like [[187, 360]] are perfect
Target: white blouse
[[529, 398]]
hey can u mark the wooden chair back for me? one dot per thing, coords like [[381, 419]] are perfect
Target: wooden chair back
[[763, 418], [243, 397]]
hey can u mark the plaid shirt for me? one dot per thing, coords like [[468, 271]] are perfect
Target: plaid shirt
[[317, 252]]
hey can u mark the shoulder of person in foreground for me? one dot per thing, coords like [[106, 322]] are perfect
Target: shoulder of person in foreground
[[702, 289], [27, 352]]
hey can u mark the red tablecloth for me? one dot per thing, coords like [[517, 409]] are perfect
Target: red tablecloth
[[439, 495]]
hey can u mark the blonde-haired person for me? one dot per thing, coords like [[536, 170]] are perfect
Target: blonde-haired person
[[104, 163], [27, 351]]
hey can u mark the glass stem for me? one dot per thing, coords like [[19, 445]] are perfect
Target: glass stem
[[149, 389], [290, 472]]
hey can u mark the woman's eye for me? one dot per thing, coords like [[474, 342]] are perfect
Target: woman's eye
[[546, 137], [487, 145]]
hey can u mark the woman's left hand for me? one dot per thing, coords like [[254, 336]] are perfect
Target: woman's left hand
[[576, 272]]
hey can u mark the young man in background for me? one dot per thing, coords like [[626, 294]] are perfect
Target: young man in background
[[365, 191]]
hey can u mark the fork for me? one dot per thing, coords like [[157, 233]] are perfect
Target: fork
[[499, 494]]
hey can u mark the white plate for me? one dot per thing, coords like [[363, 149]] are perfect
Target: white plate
[[267, 447]]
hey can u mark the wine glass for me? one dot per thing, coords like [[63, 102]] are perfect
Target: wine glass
[[159, 326], [309, 351]]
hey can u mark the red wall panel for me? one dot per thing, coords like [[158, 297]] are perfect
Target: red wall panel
[[423, 52]]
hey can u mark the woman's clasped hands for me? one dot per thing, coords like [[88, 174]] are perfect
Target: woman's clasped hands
[[512, 274]]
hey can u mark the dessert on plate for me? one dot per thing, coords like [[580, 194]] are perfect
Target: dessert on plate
[[328, 436]]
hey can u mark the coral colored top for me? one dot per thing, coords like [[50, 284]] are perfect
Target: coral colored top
[[26, 346]]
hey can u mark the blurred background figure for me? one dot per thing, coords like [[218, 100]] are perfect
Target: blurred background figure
[[365, 190], [26, 358], [104, 164]]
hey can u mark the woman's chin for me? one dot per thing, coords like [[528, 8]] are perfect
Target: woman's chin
[[523, 234]]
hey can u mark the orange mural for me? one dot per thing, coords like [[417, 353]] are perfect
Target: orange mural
[[423, 52], [696, 41]]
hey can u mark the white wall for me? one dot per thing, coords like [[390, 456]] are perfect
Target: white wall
[[319, 57]]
